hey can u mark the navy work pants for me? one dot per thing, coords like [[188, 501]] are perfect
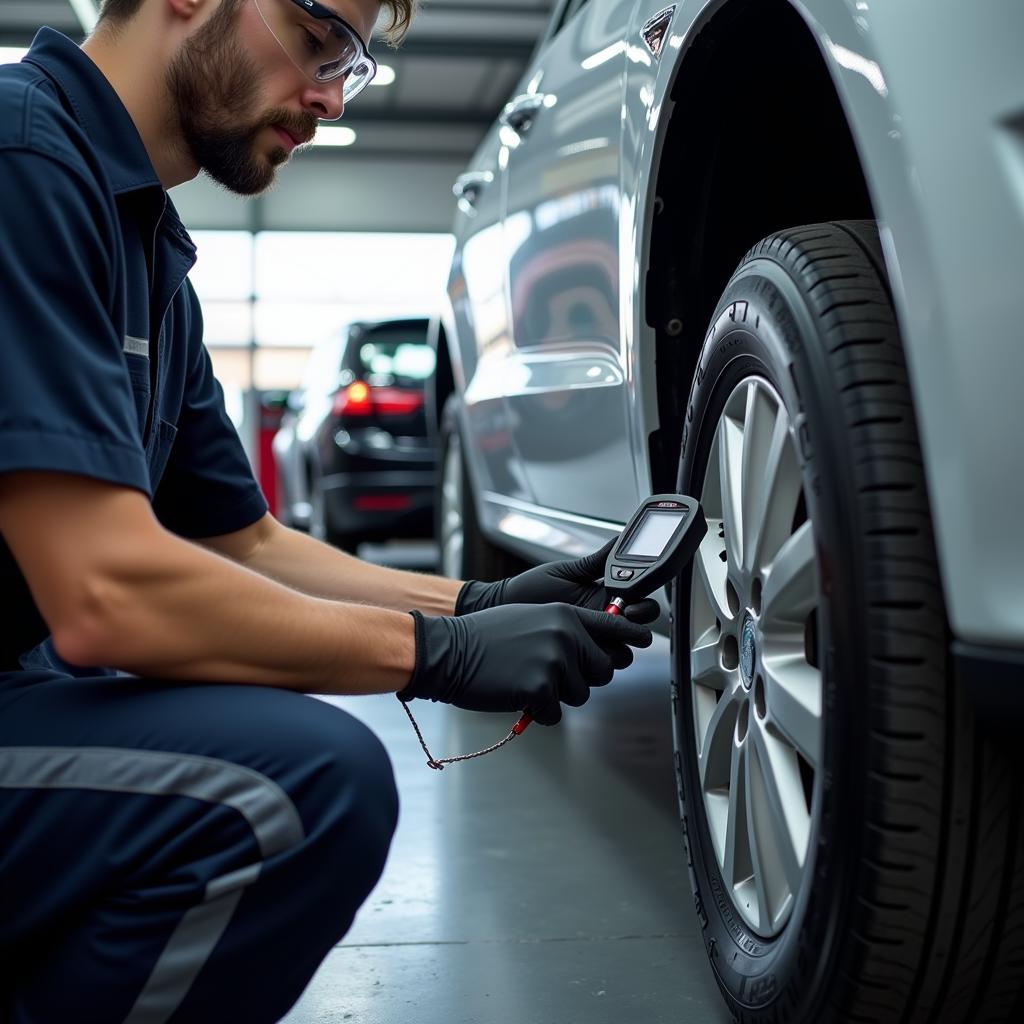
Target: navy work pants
[[178, 852]]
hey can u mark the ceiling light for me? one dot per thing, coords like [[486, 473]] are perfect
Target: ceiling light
[[11, 54], [385, 75], [334, 135]]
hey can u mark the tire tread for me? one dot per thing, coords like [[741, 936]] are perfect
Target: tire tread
[[925, 871]]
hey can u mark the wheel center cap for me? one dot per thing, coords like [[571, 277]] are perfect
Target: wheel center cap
[[748, 651]]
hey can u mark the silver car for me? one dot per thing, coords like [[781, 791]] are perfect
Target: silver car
[[771, 254]]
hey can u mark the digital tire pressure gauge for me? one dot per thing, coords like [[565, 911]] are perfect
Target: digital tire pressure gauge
[[660, 539], [657, 543]]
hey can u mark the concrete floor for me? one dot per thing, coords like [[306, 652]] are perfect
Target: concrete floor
[[541, 884]]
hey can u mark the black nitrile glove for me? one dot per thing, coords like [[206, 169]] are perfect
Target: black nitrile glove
[[578, 581], [520, 657]]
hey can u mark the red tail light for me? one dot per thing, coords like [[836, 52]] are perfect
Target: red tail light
[[382, 502], [359, 399], [397, 401], [355, 400]]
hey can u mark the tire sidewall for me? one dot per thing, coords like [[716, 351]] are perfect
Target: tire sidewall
[[763, 327]]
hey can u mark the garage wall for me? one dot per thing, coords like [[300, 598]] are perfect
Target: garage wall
[[328, 192]]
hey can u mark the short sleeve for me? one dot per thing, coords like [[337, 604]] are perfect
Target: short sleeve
[[208, 488], [65, 395]]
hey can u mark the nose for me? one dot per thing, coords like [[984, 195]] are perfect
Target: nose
[[325, 99]]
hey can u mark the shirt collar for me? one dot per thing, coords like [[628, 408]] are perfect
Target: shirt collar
[[97, 109]]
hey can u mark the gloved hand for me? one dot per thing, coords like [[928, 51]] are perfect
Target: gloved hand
[[520, 657], [578, 581]]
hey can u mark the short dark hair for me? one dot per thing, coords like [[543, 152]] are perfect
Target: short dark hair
[[401, 12], [117, 12]]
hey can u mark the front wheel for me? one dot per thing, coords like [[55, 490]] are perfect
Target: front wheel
[[855, 844]]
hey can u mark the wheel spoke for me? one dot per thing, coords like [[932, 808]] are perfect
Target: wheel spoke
[[736, 864], [713, 689], [780, 486], [710, 574], [705, 663], [730, 467], [715, 746], [793, 700], [791, 585], [782, 824], [759, 420], [711, 493], [757, 867]]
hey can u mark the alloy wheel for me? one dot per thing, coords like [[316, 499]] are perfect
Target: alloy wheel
[[756, 683]]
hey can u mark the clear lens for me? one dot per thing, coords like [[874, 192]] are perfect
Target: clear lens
[[322, 48], [358, 77]]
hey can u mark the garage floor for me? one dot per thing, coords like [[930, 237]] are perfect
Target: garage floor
[[542, 884]]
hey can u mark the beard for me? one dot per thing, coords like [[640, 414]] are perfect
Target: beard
[[212, 83]]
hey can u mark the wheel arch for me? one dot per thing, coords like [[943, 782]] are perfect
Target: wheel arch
[[755, 137]]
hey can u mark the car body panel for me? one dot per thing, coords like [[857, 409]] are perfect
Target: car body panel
[[564, 373], [478, 295], [954, 215], [939, 131]]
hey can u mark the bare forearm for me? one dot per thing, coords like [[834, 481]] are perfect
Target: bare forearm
[[305, 564], [182, 612], [118, 589]]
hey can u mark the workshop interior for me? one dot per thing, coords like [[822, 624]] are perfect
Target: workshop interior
[[672, 353]]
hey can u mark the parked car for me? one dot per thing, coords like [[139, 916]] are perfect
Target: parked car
[[769, 254], [353, 454]]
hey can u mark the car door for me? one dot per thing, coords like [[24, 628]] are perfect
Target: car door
[[482, 338], [565, 379]]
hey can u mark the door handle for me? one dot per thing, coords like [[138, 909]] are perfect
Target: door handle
[[468, 186], [519, 113]]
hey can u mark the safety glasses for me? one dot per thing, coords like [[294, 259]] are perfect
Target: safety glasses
[[320, 43]]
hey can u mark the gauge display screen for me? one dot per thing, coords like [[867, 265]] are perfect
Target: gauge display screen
[[653, 534]]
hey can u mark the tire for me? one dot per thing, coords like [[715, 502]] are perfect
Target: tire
[[822, 742], [464, 552]]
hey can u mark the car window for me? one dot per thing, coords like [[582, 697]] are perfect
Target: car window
[[395, 357], [401, 359]]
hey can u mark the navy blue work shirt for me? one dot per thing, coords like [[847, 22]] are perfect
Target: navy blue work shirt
[[103, 371]]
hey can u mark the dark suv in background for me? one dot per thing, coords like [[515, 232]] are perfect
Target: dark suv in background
[[353, 458]]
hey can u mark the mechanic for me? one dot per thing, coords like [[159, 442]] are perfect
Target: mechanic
[[183, 833]]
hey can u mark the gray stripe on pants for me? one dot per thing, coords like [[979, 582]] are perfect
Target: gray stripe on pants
[[178, 964], [136, 346], [266, 807]]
